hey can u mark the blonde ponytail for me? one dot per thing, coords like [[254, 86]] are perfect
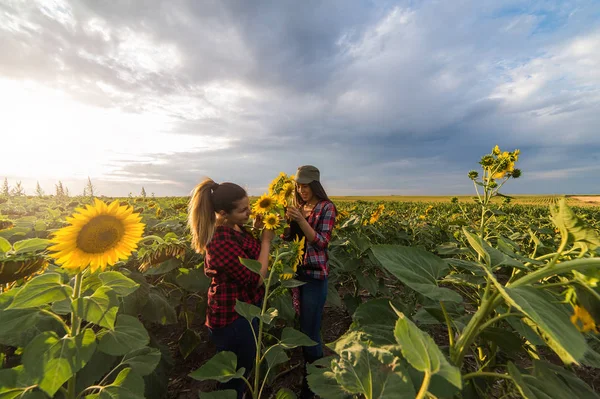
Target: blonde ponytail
[[201, 215], [207, 199]]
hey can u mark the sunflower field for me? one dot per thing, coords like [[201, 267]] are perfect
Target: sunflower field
[[485, 298]]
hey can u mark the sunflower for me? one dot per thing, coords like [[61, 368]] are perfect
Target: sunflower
[[150, 256], [97, 236], [6, 224], [377, 214], [264, 204], [287, 191], [271, 221], [582, 319], [299, 250], [21, 266]]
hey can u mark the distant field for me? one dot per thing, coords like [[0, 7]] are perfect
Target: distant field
[[576, 200]]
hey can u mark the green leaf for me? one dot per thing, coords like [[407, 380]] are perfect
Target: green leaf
[[322, 381], [15, 383], [40, 226], [143, 361], [269, 316], [127, 385], [368, 282], [19, 326], [572, 228], [95, 369], [507, 340], [283, 303], [377, 319], [292, 283], [188, 341], [247, 310], [221, 367], [128, 335], [134, 303], [164, 267], [418, 269], [41, 290], [549, 381], [193, 280], [226, 394], [333, 296], [291, 338], [122, 285], [30, 245], [51, 360], [547, 318], [158, 309], [100, 308], [252, 265], [276, 355], [477, 244], [4, 245], [62, 307], [422, 353], [367, 370], [285, 393]]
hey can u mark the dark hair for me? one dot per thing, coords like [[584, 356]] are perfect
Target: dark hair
[[207, 199], [317, 190]]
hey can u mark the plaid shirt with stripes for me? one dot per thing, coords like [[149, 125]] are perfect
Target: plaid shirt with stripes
[[322, 220], [230, 280]]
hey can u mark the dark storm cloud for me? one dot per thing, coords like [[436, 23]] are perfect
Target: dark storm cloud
[[385, 97]]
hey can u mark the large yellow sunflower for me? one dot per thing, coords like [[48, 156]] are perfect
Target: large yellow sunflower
[[264, 204], [98, 236], [287, 191], [271, 221]]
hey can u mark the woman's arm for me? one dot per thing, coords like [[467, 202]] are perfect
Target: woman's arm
[[263, 257], [321, 234]]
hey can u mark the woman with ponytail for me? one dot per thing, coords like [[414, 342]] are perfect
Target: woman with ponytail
[[216, 215]]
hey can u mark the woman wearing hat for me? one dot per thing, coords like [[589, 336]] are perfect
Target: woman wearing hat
[[314, 219]]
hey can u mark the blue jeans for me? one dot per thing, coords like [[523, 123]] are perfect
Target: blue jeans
[[237, 337], [312, 301]]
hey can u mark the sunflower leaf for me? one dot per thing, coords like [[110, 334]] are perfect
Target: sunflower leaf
[[100, 308], [41, 290], [51, 360], [129, 335], [122, 285]]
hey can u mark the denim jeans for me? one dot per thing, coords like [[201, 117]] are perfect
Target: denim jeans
[[237, 337], [312, 301]]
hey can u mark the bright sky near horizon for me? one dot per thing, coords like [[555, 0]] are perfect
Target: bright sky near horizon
[[385, 97]]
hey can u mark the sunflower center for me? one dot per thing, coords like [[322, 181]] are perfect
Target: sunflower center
[[100, 234], [265, 203]]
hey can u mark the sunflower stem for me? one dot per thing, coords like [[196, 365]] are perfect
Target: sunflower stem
[[75, 327]]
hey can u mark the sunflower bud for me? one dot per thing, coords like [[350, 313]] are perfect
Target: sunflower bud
[[492, 184], [6, 224], [487, 160], [473, 175], [515, 174]]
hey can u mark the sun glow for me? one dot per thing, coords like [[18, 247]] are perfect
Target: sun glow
[[46, 134]]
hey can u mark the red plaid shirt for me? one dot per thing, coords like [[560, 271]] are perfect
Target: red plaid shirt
[[322, 220], [230, 280]]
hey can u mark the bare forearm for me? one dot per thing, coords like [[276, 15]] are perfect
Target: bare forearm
[[308, 231], [263, 258]]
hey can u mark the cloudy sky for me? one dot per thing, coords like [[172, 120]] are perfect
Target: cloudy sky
[[385, 97]]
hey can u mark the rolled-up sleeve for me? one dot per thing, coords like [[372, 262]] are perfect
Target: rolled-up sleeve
[[324, 226]]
